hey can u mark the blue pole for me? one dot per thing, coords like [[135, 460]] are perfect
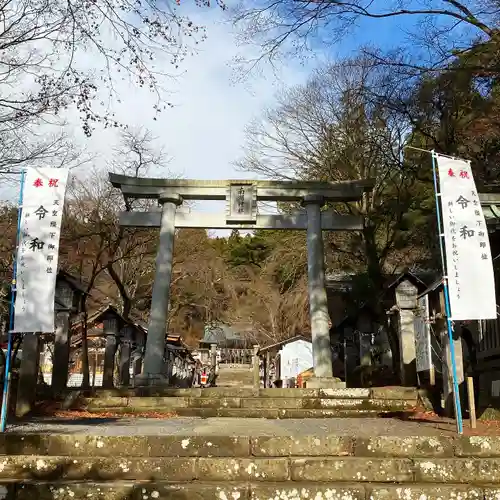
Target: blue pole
[[449, 321], [6, 377]]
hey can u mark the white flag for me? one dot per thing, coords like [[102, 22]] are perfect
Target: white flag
[[37, 255], [468, 256]]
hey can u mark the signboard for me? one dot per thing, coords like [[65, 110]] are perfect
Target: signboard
[[467, 248], [241, 204], [423, 335], [38, 251]]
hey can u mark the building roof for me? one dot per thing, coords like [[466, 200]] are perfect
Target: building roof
[[435, 286], [279, 345], [94, 317], [490, 203], [73, 281], [219, 333], [407, 275]]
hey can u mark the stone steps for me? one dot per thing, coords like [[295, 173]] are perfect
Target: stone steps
[[249, 403], [152, 490], [246, 412], [282, 413], [235, 376], [402, 393], [317, 469], [265, 469], [206, 467]]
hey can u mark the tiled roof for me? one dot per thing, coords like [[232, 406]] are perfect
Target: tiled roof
[[491, 208]]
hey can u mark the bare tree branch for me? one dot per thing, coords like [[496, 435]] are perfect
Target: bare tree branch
[[294, 27]]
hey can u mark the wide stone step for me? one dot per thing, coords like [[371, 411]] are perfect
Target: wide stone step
[[270, 413], [197, 467], [392, 393], [159, 490], [80, 446], [470, 471], [136, 403]]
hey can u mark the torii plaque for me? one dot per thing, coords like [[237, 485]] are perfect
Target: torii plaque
[[241, 198]]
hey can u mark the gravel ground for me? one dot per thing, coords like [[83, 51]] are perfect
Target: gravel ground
[[234, 427]]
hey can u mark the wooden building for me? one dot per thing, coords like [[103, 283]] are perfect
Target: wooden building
[[234, 343], [362, 343], [285, 360], [69, 297], [115, 348]]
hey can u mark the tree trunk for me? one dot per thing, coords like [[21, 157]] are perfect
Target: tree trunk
[[376, 276], [85, 351], [127, 301], [16, 345]]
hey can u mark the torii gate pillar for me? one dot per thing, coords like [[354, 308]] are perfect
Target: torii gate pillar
[[318, 302], [153, 367]]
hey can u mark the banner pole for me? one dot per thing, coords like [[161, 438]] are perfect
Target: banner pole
[[449, 321], [7, 369]]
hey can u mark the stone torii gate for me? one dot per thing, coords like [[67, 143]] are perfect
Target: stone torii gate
[[241, 198]]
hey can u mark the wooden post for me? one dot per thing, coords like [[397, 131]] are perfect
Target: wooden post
[[28, 374], [60, 368], [432, 376], [268, 370], [256, 367], [472, 403], [125, 354], [213, 356]]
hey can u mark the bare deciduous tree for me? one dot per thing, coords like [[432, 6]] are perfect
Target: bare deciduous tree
[[59, 54], [203, 288], [273, 312], [331, 130], [443, 28], [95, 245], [40, 43], [138, 153]]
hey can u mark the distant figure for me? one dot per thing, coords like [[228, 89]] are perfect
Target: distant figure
[[197, 374]]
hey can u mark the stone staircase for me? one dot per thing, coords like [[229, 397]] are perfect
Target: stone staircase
[[235, 375], [207, 467], [253, 403]]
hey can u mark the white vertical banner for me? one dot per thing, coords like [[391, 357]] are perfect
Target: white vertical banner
[[469, 265], [38, 252]]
